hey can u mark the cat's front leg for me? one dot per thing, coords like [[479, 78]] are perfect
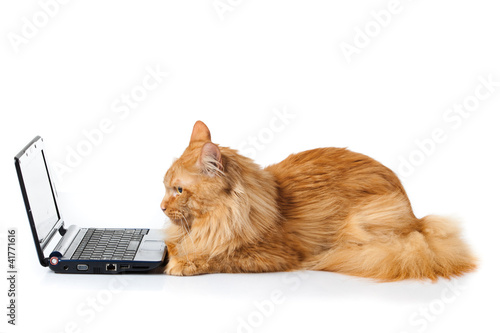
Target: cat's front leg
[[182, 266]]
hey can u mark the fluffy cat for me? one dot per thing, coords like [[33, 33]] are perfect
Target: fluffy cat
[[326, 209]]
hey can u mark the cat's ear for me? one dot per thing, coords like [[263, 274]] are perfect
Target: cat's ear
[[200, 132], [210, 160]]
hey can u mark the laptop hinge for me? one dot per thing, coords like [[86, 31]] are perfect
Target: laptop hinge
[[62, 231], [44, 242], [65, 242]]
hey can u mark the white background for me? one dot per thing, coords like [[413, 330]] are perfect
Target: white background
[[233, 71]]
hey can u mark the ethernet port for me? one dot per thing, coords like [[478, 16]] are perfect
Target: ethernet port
[[110, 267]]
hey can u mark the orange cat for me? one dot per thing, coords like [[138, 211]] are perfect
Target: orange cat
[[325, 209]]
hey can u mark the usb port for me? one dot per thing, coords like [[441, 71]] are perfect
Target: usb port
[[124, 266]]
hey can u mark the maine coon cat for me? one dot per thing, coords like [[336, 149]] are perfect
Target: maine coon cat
[[326, 209]]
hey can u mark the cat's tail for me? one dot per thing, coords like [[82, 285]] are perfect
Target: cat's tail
[[395, 249], [433, 249], [437, 250]]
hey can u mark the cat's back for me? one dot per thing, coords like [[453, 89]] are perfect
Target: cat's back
[[318, 174], [323, 158]]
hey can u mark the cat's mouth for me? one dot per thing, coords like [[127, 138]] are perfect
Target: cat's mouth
[[178, 220]]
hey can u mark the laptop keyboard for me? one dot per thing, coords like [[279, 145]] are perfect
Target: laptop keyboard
[[109, 244]]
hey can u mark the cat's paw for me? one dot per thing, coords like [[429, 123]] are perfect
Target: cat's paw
[[180, 267]]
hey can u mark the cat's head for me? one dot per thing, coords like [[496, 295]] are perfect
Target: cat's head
[[195, 181]]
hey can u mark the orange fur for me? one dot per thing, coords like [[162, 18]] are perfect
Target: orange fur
[[325, 209]]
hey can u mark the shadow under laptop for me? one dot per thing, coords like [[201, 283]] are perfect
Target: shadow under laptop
[[148, 281]]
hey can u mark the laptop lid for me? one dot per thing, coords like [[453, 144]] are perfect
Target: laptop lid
[[39, 194]]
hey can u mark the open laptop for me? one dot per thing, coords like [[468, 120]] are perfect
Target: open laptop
[[79, 250]]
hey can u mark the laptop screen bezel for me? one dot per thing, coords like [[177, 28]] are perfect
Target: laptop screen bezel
[[36, 147]]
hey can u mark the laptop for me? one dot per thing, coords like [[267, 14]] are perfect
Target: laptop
[[74, 249]]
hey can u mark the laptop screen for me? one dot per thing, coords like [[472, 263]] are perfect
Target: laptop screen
[[39, 189]]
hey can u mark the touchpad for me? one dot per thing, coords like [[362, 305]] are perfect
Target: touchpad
[[152, 245]]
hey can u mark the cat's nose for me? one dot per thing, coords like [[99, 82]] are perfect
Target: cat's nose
[[163, 206]]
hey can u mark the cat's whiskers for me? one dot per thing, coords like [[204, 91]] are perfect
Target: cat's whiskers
[[185, 227], [180, 243], [188, 233]]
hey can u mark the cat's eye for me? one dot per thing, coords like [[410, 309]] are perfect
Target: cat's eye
[[179, 189]]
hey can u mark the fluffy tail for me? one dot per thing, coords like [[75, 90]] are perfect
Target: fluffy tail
[[444, 252], [435, 249], [430, 248]]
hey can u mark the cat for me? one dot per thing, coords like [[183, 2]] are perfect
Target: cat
[[326, 209]]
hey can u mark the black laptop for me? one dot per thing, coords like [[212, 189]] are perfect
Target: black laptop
[[74, 249]]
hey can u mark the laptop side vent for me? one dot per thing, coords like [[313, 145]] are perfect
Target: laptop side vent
[[96, 270]]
